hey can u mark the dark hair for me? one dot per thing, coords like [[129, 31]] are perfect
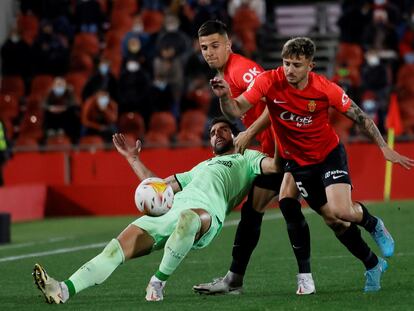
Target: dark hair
[[223, 119], [299, 46], [211, 27]]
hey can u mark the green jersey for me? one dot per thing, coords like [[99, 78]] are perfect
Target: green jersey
[[220, 183]]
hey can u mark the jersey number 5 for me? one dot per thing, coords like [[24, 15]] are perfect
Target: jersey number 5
[[302, 190]]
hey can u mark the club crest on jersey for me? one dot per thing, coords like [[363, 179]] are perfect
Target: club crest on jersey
[[312, 106]]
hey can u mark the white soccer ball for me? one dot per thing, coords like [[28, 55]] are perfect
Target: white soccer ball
[[154, 197]]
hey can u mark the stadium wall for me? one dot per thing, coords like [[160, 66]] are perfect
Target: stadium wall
[[101, 183]]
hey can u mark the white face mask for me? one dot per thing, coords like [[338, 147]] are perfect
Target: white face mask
[[132, 66], [103, 68], [59, 90], [373, 60], [103, 101], [160, 84], [137, 28], [15, 38]]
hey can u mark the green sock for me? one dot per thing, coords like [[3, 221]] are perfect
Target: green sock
[[179, 243], [98, 269]]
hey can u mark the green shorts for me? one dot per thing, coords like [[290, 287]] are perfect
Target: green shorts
[[160, 228]]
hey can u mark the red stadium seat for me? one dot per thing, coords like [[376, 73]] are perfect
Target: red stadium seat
[[116, 61], [32, 126], [193, 121], [156, 139], [153, 20], [13, 85], [132, 124], [350, 54], [163, 122], [86, 42], [77, 80], [28, 26], [130, 7], [121, 22], [81, 63], [26, 143], [41, 85], [59, 141], [9, 106], [92, 142]]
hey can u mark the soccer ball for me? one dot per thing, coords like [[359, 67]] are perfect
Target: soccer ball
[[154, 197]]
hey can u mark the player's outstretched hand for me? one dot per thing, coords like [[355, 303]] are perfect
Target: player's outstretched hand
[[124, 147], [395, 157], [242, 141], [220, 87]]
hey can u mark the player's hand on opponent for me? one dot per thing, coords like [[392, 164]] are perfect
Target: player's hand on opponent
[[220, 87], [124, 147], [242, 141], [395, 157]]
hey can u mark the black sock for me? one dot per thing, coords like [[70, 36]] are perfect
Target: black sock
[[247, 236], [368, 221], [298, 231], [353, 241]]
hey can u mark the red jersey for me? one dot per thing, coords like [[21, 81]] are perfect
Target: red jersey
[[239, 73], [300, 117]]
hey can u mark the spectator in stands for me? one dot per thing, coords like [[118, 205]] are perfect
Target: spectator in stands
[[15, 57], [376, 78], [173, 36], [160, 97], [245, 25], [136, 52], [355, 16], [139, 33], [51, 52], [62, 111], [99, 116], [204, 10], [196, 66], [168, 66], [133, 85], [102, 79], [406, 45], [89, 17]]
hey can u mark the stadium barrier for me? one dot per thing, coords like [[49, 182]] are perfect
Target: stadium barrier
[[101, 183]]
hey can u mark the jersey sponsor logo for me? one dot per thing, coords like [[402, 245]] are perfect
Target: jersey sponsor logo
[[250, 86], [335, 174], [311, 106], [225, 163], [300, 120], [250, 75], [345, 99]]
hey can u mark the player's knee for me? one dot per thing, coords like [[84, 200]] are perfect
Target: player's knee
[[113, 250], [188, 224], [291, 210], [250, 217]]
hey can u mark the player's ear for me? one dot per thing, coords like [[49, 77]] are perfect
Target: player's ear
[[312, 65], [228, 45], [232, 135]]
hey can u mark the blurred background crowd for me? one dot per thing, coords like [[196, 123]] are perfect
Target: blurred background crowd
[[73, 72]]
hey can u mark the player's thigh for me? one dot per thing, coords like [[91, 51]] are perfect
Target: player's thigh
[[265, 188], [340, 202]]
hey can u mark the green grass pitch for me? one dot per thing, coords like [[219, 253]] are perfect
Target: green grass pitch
[[62, 245]]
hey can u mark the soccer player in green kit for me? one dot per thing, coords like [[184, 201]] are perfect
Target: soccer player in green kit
[[204, 195]]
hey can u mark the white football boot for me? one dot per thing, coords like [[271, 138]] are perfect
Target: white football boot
[[306, 285], [155, 290], [49, 287]]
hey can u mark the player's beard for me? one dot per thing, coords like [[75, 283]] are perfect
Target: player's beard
[[223, 148]]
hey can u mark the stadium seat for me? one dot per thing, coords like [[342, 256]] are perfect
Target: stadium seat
[[188, 139], [12, 85], [193, 121], [156, 139], [33, 104], [82, 63], [116, 61], [41, 85], [132, 124], [8, 125], [9, 106], [121, 21], [91, 142], [28, 25], [113, 41], [86, 43], [350, 54], [59, 141], [153, 20], [163, 122], [26, 143], [77, 80], [31, 126], [130, 7]]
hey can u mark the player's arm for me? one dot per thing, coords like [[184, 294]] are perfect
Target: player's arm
[[244, 138], [368, 126], [131, 153], [231, 108]]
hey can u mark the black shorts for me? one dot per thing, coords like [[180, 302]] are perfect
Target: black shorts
[[269, 182], [312, 180]]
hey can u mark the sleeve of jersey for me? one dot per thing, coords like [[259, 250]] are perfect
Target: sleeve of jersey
[[185, 178], [244, 73], [257, 89], [255, 160], [337, 97]]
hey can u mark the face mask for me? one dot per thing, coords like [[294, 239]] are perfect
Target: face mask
[[160, 84], [132, 66], [409, 58], [59, 90], [171, 27], [103, 68], [15, 38], [373, 60], [137, 28], [379, 2], [103, 101], [369, 105]]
